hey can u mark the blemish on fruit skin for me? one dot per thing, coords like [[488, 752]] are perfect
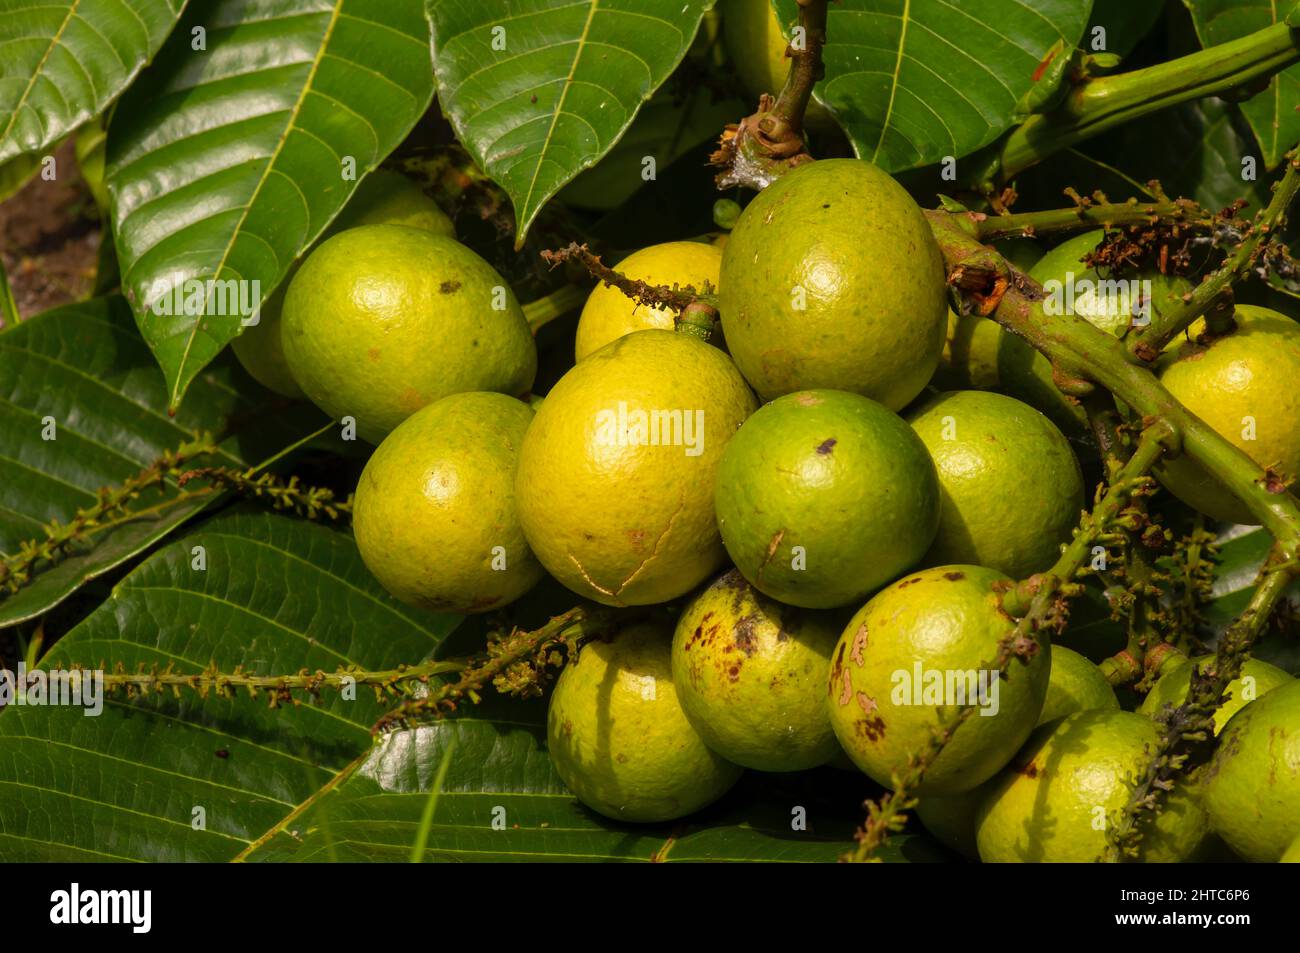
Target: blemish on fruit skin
[[846, 695], [1030, 770], [743, 636], [838, 667], [827, 446], [807, 400], [733, 673], [954, 576], [373, 354], [866, 703], [859, 644], [873, 729], [449, 287]]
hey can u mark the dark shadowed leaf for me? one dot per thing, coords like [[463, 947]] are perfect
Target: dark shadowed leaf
[[226, 162], [913, 81], [65, 60], [1272, 113], [540, 91]]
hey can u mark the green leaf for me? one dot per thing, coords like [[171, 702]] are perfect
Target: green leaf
[[278, 594], [913, 81], [16, 173], [541, 89], [66, 60], [83, 371], [225, 163], [502, 800], [1272, 114]]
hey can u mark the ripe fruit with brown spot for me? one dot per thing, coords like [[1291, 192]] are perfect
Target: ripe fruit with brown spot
[[749, 673], [915, 653]]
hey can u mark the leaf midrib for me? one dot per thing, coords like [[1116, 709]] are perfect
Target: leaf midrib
[[55, 41], [179, 384]]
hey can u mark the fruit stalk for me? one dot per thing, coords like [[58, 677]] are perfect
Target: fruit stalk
[[1186, 733], [279, 688], [496, 667], [1079, 350], [1088, 215], [1148, 342], [1103, 103]]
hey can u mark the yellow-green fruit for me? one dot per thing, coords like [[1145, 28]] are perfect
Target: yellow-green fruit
[[434, 515], [1292, 854], [390, 198], [832, 279], [1075, 289], [916, 653], [260, 348], [382, 198], [757, 47], [1075, 685], [1244, 386], [1252, 788], [1257, 679], [1053, 803], [824, 496], [970, 353], [383, 319], [749, 673], [616, 478], [1010, 488], [618, 736], [610, 314]]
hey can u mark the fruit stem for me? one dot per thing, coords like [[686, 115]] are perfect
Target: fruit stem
[[1126, 481], [1086, 215], [1186, 733], [765, 145], [556, 304], [676, 298], [1216, 289], [1015, 301], [499, 665], [1104, 102]]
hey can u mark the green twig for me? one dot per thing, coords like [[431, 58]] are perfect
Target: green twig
[[310, 502], [111, 506], [1149, 341], [1104, 102]]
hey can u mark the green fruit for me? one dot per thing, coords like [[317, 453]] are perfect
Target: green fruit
[[951, 820], [970, 354], [1053, 803], [749, 673], [1292, 854], [1244, 386], [383, 319], [616, 478], [833, 279], [756, 47], [1010, 488], [610, 314], [1025, 373], [389, 198], [618, 736], [1257, 679], [1252, 789], [914, 654], [434, 514], [1075, 685], [823, 497], [382, 198]]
